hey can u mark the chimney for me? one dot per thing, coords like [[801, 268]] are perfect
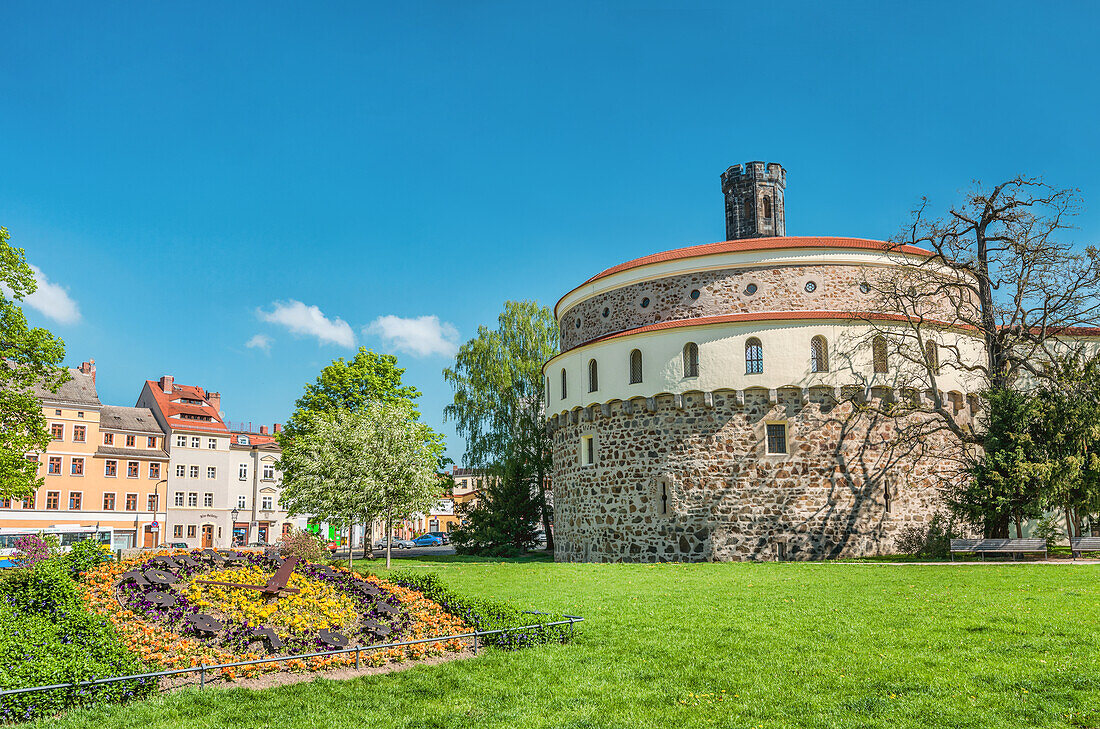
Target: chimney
[[215, 399], [166, 384], [278, 428], [263, 430], [88, 368]]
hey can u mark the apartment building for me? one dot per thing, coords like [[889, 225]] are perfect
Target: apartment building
[[254, 489], [197, 501], [103, 466]]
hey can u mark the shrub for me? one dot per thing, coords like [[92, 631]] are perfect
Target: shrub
[[932, 540], [1050, 529], [49, 637], [485, 614], [304, 545], [34, 548], [86, 555]]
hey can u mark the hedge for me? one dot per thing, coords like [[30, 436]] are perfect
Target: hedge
[[485, 614], [47, 637]]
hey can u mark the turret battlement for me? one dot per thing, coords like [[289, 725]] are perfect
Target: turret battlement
[[754, 200]]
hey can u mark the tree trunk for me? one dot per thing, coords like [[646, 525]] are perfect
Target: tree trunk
[[542, 507], [1019, 526], [351, 547], [368, 548], [389, 537]]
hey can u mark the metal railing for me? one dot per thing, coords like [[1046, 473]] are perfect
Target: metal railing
[[201, 669]]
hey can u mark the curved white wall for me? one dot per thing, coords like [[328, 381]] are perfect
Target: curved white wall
[[722, 361]]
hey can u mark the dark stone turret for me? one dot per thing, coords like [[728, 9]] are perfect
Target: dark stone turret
[[754, 200]]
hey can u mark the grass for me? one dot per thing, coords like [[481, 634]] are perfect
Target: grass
[[726, 645]]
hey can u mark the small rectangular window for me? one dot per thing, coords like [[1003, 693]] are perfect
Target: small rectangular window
[[108, 502], [196, 442], [266, 503], [208, 499], [242, 472], [269, 472], [131, 502], [79, 433], [181, 441], [777, 437], [152, 502], [132, 469], [5, 503], [212, 443], [74, 500], [178, 498], [151, 441], [177, 531], [211, 472], [110, 468], [77, 467], [53, 500], [588, 450], [194, 471], [131, 441], [108, 439], [193, 498], [242, 502], [191, 530], [54, 466], [57, 431], [154, 470]]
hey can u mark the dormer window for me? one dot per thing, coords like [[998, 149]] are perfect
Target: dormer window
[[242, 440]]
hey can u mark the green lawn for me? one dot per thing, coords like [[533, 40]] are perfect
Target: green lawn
[[740, 645]]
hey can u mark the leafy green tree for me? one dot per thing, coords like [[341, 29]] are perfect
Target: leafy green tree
[[354, 467], [499, 392], [31, 357], [353, 386], [502, 523], [1008, 484]]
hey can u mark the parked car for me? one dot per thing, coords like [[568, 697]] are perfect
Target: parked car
[[428, 540], [397, 544], [177, 545], [442, 535]]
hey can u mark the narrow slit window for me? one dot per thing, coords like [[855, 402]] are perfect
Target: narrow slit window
[[593, 376], [878, 352], [564, 389]]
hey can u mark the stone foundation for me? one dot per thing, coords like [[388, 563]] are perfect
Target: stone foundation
[[687, 478]]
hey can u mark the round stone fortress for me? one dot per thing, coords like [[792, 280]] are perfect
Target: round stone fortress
[[707, 401]]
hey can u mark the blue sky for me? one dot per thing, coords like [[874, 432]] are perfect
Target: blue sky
[[190, 178]]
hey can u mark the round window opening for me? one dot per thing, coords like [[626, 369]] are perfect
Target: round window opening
[[750, 289], [865, 288], [695, 293], [606, 312], [577, 323], [645, 302], [811, 287]]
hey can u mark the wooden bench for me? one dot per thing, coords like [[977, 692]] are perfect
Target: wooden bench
[[1084, 544], [999, 546]]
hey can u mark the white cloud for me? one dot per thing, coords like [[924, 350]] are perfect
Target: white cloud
[[302, 319], [52, 300], [420, 337], [261, 342]]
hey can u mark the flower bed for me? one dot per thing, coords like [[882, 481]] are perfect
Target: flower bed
[[153, 619]]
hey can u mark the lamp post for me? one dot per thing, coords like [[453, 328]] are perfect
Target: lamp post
[[233, 527]]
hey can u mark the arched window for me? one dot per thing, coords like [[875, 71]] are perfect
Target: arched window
[[767, 207], [932, 357], [878, 353], [593, 376], [691, 359], [754, 356], [563, 383], [819, 354], [635, 367]]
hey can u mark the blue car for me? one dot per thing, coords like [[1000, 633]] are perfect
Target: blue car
[[427, 540]]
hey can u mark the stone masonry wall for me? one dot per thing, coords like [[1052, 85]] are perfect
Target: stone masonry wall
[[723, 291], [726, 499]]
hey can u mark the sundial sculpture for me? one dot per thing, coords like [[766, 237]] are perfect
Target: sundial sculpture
[[152, 590]]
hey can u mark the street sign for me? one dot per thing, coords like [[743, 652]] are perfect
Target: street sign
[[154, 529], [155, 525]]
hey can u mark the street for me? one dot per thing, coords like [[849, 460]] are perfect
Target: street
[[442, 551]]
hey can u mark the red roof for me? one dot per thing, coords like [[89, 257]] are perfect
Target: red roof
[[761, 244], [173, 408], [253, 438]]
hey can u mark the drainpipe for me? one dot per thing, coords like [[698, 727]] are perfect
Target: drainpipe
[[255, 489]]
